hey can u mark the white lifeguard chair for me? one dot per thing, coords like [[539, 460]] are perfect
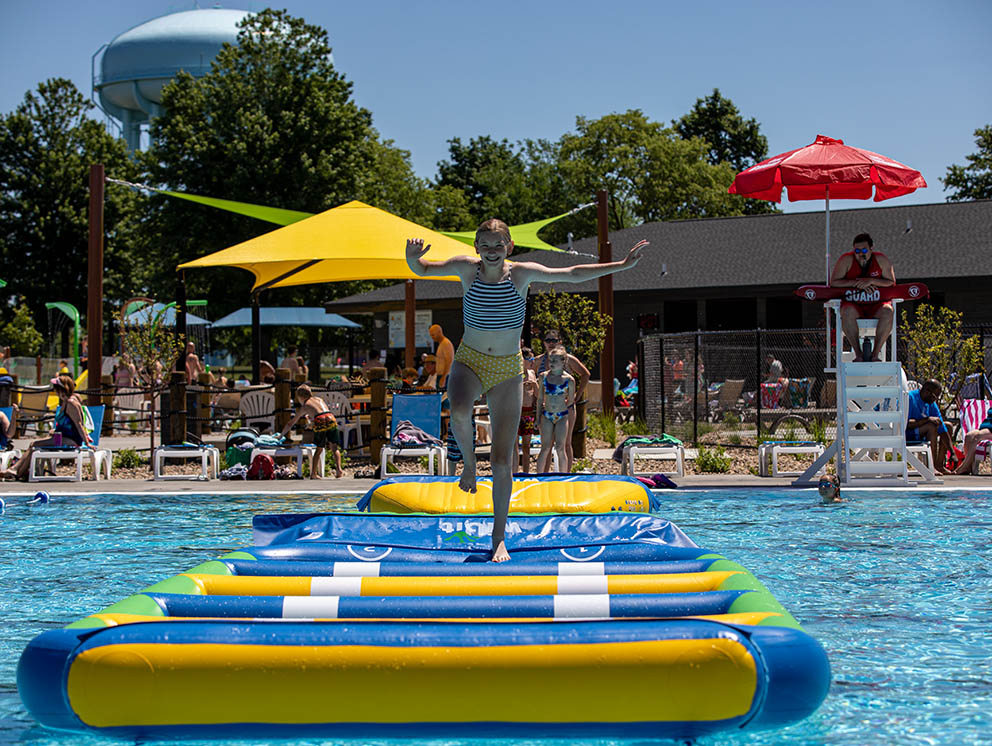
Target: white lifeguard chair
[[872, 401]]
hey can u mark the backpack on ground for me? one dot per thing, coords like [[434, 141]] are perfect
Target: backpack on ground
[[263, 466]]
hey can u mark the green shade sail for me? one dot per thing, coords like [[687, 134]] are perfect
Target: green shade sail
[[524, 235]]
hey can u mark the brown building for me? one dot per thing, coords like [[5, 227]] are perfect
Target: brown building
[[740, 273]]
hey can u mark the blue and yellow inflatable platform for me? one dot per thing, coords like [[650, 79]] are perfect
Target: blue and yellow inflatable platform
[[395, 626]]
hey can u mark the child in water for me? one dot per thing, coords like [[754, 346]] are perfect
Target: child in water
[[555, 396], [829, 489], [323, 424]]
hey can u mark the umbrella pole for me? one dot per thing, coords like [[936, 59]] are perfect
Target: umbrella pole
[[828, 235]]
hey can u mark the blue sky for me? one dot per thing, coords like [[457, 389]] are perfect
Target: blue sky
[[908, 79]]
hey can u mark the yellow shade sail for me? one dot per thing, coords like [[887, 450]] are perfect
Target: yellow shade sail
[[352, 242]]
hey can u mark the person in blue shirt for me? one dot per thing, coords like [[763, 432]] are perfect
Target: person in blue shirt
[[925, 422]]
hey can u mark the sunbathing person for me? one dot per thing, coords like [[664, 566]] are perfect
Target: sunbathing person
[[488, 360], [8, 427], [70, 429], [971, 441]]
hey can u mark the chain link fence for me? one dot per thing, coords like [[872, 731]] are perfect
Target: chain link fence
[[739, 388]]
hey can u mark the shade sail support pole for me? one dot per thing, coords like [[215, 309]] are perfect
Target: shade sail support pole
[[410, 306], [94, 302], [256, 339], [605, 300], [827, 239]]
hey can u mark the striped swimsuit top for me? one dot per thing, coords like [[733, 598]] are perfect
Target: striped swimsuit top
[[491, 306]]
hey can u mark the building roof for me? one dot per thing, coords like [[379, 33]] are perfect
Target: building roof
[[924, 242]]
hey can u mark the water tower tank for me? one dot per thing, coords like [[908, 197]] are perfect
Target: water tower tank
[[137, 64]]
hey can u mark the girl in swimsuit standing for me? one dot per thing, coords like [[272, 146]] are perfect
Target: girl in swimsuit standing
[[556, 394], [488, 359]]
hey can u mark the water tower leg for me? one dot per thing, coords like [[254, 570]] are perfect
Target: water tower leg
[[94, 315]]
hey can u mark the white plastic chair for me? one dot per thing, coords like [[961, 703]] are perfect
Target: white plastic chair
[[101, 459], [208, 455], [338, 404], [258, 408], [130, 406]]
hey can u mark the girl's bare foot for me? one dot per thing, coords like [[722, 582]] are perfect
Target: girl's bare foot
[[467, 481], [338, 473], [500, 554]]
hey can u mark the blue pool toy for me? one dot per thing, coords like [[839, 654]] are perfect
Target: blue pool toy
[[40, 498], [361, 625]]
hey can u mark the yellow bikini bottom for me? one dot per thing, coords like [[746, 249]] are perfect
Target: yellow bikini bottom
[[490, 369]]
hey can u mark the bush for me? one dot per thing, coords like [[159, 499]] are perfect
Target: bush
[[127, 458], [714, 461], [637, 427], [818, 430], [581, 465], [602, 427]]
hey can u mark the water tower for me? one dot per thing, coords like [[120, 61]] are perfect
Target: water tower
[[137, 64]]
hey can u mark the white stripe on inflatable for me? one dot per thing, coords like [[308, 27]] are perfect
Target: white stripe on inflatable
[[573, 584], [310, 607], [583, 607], [335, 586], [356, 569], [581, 568]]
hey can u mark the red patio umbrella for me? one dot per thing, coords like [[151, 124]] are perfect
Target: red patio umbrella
[[823, 169]]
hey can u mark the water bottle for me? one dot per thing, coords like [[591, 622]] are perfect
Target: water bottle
[[207, 367]]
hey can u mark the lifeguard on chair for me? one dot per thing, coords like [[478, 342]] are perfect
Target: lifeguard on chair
[[864, 271]]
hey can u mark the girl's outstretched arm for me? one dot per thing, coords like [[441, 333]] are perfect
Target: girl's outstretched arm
[[456, 265], [534, 272]]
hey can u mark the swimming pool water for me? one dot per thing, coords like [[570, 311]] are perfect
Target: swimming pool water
[[896, 585]]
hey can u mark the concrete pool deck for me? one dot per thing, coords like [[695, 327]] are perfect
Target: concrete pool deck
[[350, 485]]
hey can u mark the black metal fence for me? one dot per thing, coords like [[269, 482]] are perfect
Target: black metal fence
[[737, 388]]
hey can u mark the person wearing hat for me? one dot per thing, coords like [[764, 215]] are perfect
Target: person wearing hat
[[428, 379]]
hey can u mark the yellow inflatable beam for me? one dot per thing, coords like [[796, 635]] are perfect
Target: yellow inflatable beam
[[505, 585]]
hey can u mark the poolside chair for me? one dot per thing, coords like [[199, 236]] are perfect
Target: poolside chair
[[130, 406], [34, 408], [337, 402], [8, 457], [973, 413], [423, 411], [727, 399], [258, 409], [100, 459]]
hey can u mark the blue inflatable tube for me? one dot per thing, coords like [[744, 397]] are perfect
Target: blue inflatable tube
[[344, 625], [768, 692]]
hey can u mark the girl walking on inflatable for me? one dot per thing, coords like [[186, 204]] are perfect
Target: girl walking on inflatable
[[488, 359]]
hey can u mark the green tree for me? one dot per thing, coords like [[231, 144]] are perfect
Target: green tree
[[492, 175], [973, 181], [582, 326], [273, 123], [937, 348], [46, 147], [21, 334], [731, 138], [649, 171], [153, 347]]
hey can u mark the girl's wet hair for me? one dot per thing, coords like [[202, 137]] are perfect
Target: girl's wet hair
[[304, 391], [557, 351], [493, 225]]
